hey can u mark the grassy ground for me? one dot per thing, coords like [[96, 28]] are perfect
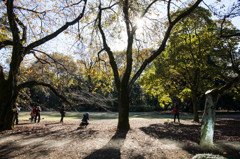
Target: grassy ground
[[54, 115]]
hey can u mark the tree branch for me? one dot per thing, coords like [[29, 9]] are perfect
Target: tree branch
[[5, 43], [130, 34], [230, 35], [108, 50], [24, 28], [2, 77], [228, 85], [168, 11], [36, 83], [57, 32], [163, 44], [148, 7], [12, 22], [55, 61]]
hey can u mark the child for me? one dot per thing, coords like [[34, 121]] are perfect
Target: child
[[33, 113], [85, 120]]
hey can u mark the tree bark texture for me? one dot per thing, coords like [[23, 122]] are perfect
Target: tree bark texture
[[208, 120], [123, 105], [7, 101], [195, 107]]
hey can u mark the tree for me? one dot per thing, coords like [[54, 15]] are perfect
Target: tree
[[208, 120], [129, 11], [184, 70], [22, 46], [57, 70], [230, 70]]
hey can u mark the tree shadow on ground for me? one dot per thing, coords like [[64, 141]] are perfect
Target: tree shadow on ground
[[226, 134], [172, 131], [111, 149], [34, 141], [227, 129], [11, 146]]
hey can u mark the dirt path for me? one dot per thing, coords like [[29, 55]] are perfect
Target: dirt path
[[146, 139]]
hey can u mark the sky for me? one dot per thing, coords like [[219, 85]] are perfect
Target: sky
[[122, 43]]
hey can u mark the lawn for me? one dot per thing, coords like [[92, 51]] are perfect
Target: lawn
[[55, 116]]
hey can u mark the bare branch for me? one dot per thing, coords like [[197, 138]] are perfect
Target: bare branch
[[12, 22], [36, 83], [168, 11], [24, 28], [108, 50], [109, 7], [148, 7], [57, 32], [163, 44], [55, 61], [5, 43]]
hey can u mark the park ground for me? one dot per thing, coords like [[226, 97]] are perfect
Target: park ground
[[152, 135]]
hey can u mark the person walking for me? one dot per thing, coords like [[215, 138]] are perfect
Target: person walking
[[176, 113], [62, 112], [38, 110]]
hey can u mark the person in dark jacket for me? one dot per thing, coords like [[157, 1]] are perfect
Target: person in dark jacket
[[62, 112], [85, 120], [38, 110]]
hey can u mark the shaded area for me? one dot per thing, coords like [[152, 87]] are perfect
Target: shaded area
[[177, 132], [230, 151], [112, 148], [226, 131], [38, 140]]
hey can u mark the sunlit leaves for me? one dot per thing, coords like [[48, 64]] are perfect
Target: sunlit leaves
[[184, 67]]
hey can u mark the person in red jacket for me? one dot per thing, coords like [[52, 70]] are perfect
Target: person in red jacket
[[33, 114], [176, 113]]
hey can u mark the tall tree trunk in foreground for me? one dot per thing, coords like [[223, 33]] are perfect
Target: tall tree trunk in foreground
[[208, 119], [6, 107], [123, 113]]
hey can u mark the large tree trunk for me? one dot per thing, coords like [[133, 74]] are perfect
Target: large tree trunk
[[6, 106], [195, 107], [208, 120], [123, 105]]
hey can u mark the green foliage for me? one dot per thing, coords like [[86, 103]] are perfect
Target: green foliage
[[187, 66]]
